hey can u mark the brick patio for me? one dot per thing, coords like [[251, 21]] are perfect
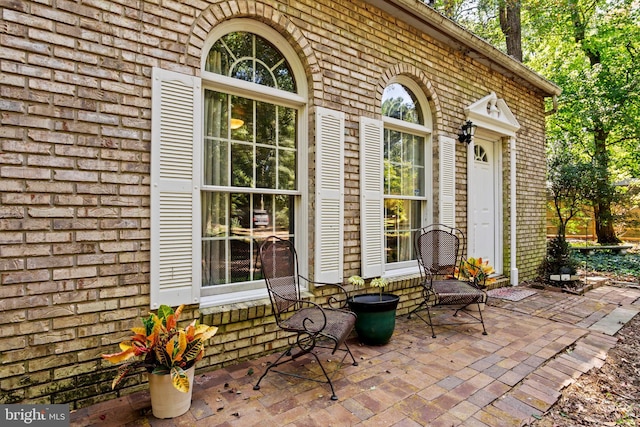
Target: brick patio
[[459, 378]]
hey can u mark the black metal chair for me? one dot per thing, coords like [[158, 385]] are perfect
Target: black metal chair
[[314, 326], [439, 249]]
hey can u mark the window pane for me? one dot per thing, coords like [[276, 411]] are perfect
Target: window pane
[[287, 125], [240, 259], [233, 56], [284, 214], [266, 123], [284, 77], [215, 114], [286, 169], [241, 165], [265, 167], [214, 215], [241, 119], [214, 256], [400, 103], [215, 171], [401, 220], [263, 76]]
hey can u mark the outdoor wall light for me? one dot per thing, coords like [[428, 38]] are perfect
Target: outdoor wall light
[[466, 132]]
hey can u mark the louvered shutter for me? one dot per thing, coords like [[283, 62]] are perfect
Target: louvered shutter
[[175, 211], [329, 233], [447, 181], [371, 198]]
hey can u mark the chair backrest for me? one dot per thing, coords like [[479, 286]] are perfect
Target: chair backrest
[[279, 263], [439, 249]]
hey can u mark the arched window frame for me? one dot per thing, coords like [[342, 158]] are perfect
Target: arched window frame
[[224, 294], [424, 131]]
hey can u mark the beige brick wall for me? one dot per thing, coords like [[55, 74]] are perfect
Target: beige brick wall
[[74, 166]]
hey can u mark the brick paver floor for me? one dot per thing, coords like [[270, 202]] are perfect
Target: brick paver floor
[[535, 348]]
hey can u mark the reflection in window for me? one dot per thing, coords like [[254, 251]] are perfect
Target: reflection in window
[[404, 173], [249, 57], [400, 103], [233, 226], [249, 163], [260, 153]]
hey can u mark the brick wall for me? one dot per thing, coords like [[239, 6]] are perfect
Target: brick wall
[[74, 166]]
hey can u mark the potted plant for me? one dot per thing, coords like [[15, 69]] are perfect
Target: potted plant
[[376, 312], [475, 270], [169, 353]]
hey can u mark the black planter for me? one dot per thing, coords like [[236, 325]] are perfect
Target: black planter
[[376, 317]]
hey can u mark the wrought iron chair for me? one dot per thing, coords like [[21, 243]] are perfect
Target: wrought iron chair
[[439, 249], [314, 326]]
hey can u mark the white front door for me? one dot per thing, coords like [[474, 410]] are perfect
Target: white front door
[[485, 232]]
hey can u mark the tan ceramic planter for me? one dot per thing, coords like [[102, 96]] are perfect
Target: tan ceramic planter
[[166, 401]]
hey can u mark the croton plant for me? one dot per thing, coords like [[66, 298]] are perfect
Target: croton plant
[[163, 347]]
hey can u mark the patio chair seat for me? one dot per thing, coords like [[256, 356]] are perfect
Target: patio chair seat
[[339, 323], [452, 292]]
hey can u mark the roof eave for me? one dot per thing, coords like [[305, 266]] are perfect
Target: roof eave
[[438, 26]]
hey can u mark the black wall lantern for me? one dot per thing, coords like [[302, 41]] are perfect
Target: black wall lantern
[[466, 132]]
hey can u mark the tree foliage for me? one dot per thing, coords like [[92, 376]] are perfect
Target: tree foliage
[[591, 49]]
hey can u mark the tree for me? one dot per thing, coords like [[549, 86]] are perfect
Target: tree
[[511, 26], [568, 183], [591, 49], [593, 57]]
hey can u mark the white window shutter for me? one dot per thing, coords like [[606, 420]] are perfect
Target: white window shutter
[[329, 233], [175, 200], [371, 198], [447, 181]]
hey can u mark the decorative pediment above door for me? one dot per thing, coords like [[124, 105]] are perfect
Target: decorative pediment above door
[[492, 114]]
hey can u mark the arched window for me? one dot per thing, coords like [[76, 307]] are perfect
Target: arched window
[[406, 140], [251, 156]]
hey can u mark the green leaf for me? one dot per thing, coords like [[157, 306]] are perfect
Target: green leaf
[[164, 311]]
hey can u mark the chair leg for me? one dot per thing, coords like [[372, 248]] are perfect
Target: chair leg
[[350, 354], [481, 320], [333, 393], [429, 322], [433, 333], [484, 331], [308, 350], [287, 352]]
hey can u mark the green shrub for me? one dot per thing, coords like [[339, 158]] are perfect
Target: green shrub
[[607, 262]]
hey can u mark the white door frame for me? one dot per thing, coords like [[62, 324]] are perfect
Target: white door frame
[[495, 121]]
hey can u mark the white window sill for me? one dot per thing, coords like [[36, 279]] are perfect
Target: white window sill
[[401, 273]]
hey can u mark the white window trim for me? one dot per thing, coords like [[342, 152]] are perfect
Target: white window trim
[[229, 85], [425, 131]]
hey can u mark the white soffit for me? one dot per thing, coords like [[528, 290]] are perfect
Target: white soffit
[[492, 113]]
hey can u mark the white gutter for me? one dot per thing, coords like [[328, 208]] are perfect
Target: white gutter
[[512, 219]]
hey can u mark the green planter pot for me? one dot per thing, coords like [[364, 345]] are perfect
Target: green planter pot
[[376, 317]]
